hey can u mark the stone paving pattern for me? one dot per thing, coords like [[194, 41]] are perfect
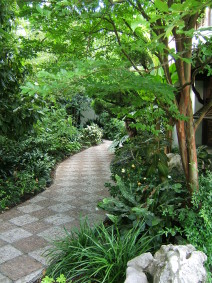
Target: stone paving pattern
[[27, 230]]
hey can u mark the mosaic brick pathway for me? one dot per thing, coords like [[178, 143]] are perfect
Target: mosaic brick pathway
[[27, 230]]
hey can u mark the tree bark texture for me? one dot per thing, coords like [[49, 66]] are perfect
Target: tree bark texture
[[186, 128], [187, 144]]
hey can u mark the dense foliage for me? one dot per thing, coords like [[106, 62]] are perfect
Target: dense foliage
[[130, 60], [26, 165], [159, 202], [56, 56], [91, 135]]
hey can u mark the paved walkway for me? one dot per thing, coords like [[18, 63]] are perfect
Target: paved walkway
[[26, 230]]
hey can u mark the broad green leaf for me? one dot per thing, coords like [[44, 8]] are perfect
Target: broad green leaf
[[169, 30], [113, 218], [162, 6], [39, 9]]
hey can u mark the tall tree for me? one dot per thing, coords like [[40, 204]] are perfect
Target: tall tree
[[127, 34]]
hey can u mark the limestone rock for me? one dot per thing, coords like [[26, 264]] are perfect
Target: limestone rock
[[174, 161], [171, 264], [137, 267]]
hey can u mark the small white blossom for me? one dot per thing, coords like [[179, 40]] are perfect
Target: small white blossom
[[123, 170]]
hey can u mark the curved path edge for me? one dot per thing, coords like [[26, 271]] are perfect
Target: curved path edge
[[27, 230]]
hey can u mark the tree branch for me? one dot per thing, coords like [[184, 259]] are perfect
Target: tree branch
[[205, 110], [196, 71], [198, 96], [123, 51]]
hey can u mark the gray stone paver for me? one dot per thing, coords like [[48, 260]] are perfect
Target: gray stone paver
[[17, 267], [4, 279], [58, 219], [31, 277], [61, 207], [30, 208], [30, 244], [22, 220], [14, 235], [52, 233], [8, 252], [27, 230]]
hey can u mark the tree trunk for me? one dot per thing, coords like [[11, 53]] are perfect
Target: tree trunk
[[187, 144], [186, 129]]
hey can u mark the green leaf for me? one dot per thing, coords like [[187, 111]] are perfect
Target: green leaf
[[169, 30], [135, 24], [39, 9], [162, 6], [113, 218], [126, 193], [163, 169]]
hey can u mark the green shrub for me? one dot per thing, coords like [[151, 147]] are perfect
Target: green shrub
[[204, 159], [26, 164], [19, 187], [196, 220], [91, 135], [141, 157], [98, 254], [154, 208], [112, 127], [162, 205]]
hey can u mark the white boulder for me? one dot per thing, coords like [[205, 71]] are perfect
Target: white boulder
[[171, 264]]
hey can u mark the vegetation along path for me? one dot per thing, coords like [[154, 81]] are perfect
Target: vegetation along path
[[27, 230]]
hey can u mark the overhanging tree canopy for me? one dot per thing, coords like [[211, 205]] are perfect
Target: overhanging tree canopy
[[123, 44]]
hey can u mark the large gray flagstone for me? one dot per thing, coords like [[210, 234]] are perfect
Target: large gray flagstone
[[8, 252], [31, 277], [14, 235], [53, 233], [4, 279], [61, 207], [20, 267], [23, 220], [40, 256], [30, 208], [63, 198], [58, 219]]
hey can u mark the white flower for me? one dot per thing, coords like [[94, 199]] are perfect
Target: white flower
[[169, 177], [123, 170]]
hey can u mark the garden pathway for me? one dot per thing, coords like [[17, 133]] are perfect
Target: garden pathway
[[27, 230]]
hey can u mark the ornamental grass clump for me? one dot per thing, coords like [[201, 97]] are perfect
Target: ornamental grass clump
[[98, 254]]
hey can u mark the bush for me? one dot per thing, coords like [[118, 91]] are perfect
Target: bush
[[112, 127], [26, 164], [154, 208], [91, 135], [159, 203], [196, 220], [204, 159], [96, 254]]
